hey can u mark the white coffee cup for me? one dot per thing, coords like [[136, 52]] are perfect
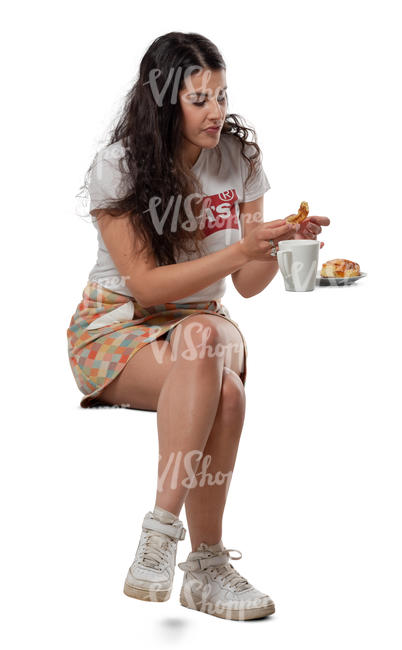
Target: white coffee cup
[[298, 262]]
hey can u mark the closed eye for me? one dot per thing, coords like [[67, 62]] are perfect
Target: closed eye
[[220, 100]]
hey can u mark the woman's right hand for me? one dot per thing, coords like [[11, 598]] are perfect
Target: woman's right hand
[[256, 244]]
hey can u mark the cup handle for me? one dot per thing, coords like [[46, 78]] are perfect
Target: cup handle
[[285, 262]]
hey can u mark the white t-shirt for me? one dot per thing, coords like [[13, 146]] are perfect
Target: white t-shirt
[[222, 226]]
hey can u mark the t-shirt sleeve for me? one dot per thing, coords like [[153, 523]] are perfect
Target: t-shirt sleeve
[[257, 185], [106, 182]]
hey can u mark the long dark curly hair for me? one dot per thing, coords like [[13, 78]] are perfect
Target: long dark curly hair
[[150, 134]]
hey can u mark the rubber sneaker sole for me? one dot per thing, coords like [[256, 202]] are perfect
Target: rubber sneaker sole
[[147, 594], [228, 613]]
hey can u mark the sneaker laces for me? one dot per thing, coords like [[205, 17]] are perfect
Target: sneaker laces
[[230, 576], [155, 547]]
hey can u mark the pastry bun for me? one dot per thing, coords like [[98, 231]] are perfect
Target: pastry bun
[[339, 268], [301, 215]]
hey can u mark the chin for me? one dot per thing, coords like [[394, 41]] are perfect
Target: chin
[[210, 141]]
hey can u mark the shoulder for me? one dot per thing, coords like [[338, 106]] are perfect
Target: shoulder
[[234, 148], [110, 155], [229, 145], [109, 176], [230, 149]]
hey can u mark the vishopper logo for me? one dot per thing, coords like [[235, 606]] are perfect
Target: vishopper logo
[[115, 406], [207, 597], [191, 350], [115, 282], [175, 202], [173, 81], [112, 283], [219, 212], [109, 165], [299, 275], [177, 462]]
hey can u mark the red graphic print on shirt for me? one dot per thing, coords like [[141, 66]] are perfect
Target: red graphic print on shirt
[[219, 212]]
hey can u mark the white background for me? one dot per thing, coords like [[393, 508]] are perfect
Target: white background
[[314, 502]]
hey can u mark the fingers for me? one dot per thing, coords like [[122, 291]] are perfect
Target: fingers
[[277, 222], [313, 229], [279, 231], [321, 221]]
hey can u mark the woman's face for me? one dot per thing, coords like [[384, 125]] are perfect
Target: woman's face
[[204, 104]]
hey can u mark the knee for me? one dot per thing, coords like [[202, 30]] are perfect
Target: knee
[[232, 402], [199, 339]]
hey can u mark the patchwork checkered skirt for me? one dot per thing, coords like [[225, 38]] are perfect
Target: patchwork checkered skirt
[[108, 328]]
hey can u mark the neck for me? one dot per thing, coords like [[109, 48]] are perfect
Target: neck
[[190, 153]]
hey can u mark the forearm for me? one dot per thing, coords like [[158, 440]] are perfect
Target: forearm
[[254, 276], [172, 282]]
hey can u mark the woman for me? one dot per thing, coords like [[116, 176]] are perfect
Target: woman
[[178, 207]]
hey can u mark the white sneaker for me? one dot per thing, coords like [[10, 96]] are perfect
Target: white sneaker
[[211, 585], [150, 576]]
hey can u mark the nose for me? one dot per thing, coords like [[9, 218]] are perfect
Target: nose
[[217, 110]]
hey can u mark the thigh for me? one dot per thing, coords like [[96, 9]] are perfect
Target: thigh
[[211, 335], [140, 382]]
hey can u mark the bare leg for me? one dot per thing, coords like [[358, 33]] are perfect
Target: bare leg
[[186, 395], [188, 405], [205, 503]]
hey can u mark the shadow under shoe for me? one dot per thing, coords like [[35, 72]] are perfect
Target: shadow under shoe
[[212, 585], [150, 577]]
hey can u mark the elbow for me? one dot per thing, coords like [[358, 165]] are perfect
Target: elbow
[[244, 294], [149, 299], [143, 291], [142, 297], [247, 294], [143, 300]]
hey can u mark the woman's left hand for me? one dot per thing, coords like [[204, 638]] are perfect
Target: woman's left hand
[[311, 227]]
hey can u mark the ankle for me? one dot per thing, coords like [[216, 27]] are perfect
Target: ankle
[[212, 545], [165, 516]]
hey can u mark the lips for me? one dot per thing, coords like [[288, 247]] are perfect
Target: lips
[[212, 128]]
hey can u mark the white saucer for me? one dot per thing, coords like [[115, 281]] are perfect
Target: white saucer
[[326, 282]]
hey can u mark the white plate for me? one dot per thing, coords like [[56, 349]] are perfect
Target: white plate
[[326, 282]]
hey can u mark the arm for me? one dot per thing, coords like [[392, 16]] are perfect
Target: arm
[[255, 275], [152, 284], [175, 281]]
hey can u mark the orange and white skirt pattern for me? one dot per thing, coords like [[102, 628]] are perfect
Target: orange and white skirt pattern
[[108, 328]]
